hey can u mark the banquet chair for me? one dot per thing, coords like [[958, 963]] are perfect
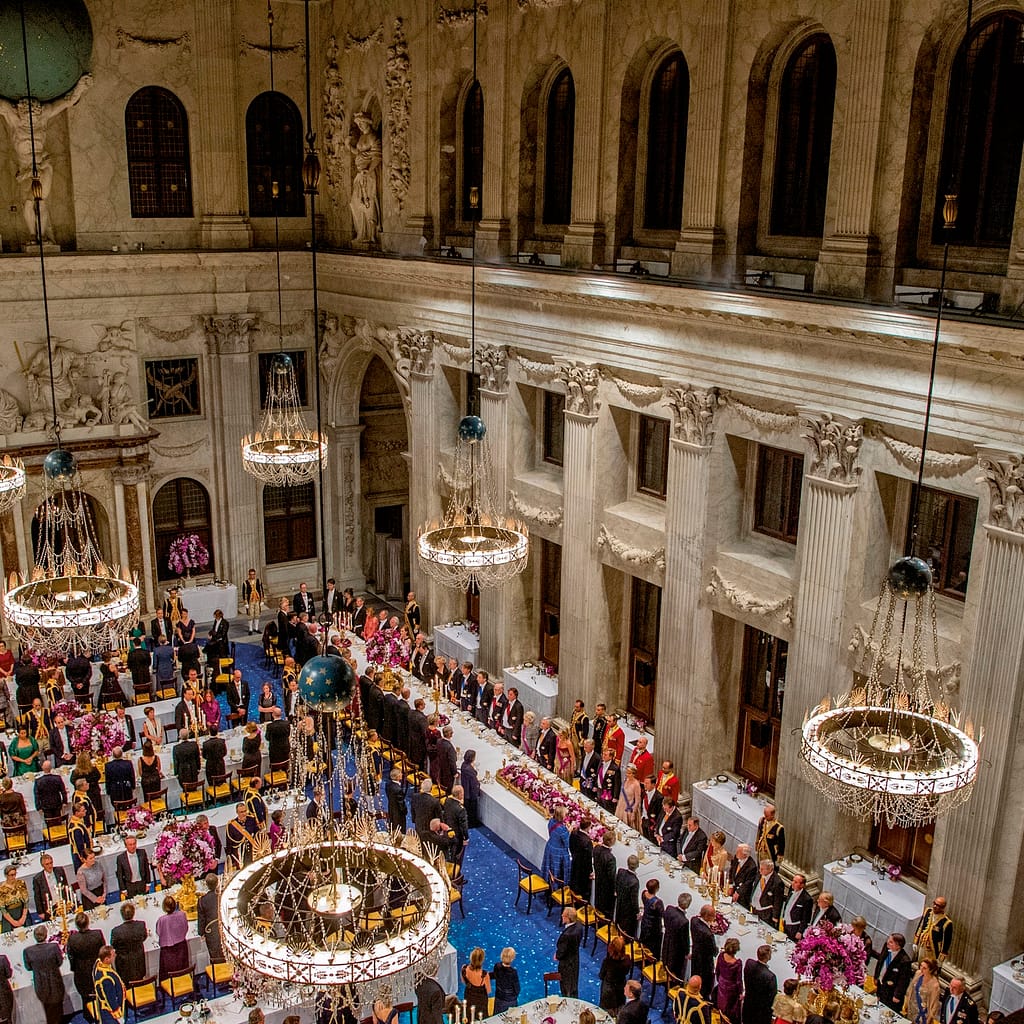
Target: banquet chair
[[674, 988], [587, 916], [559, 894], [166, 689], [157, 803], [531, 884], [221, 789], [143, 693], [191, 796], [278, 774], [654, 972], [16, 838], [219, 972], [143, 995], [243, 777], [456, 886], [55, 830], [121, 809], [550, 977], [605, 931], [178, 985]]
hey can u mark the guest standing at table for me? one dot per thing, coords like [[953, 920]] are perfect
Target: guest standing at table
[[43, 961], [531, 734], [825, 910], [729, 981], [760, 988], [127, 939], [151, 774], [506, 982], [109, 988], [127, 728], [589, 760], [627, 896], [132, 869], [892, 972], [565, 757], [704, 949], [609, 781], [24, 752], [471, 787], [26, 677], [210, 707], [13, 812], [668, 830], [675, 945], [743, 875], [768, 894], [860, 925], [786, 1008], [120, 777], [797, 909], [172, 937], [567, 953], [215, 753], [59, 742], [581, 863], [92, 882], [207, 920], [110, 693], [627, 809], [555, 863], [84, 947], [276, 829], [6, 991], [478, 984], [13, 901], [958, 1007], [267, 703], [85, 769], [615, 968], [921, 1005], [634, 1010], [45, 886], [604, 875], [652, 919], [547, 744], [444, 762], [185, 760], [217, 641], [252, 750], [152, 730]]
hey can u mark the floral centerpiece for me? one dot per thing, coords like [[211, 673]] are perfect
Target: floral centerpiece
[[828, 954], [525, 781], [386, 649], [187, 552], [70, 709], [720, 925], [183, 851], [97, 732], [138, 819]]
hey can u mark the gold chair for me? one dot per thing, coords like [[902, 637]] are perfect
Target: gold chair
[[531, 884], [177, 986], [559, 894], [143, 995], [157, 803]]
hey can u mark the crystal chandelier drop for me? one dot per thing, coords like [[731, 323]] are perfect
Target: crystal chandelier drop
[[12, 482], [72, 601], [284, 452]]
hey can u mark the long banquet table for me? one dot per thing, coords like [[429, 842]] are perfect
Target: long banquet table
[[1007, 986], [722, 806], [456, 640]]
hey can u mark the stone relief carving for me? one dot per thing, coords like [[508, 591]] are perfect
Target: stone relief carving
[[634, 556], [248, 47], [640, 394], [348, 500], [542, 5], [542, 372], [460, 354], [492, 361], [230, 335], [764, 419], [693, 413], [333, 115], [364, 203], [125, 37], [171, 337], [399, 97], [581, 384], [909, 455], [10, 413], [451, 17], [363, 43], [75, 408], [1004, 474], [835, 447], [177, 451], [421, 354], [544, 516], [745, 601], [129, 476], [331, 340], [947, 677], [117, 404]]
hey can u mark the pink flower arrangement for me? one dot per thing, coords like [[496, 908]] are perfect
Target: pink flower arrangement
[[98, 732], [70, 709], [720, 925], [138, 819], [828, 953], [186, 553], [531, 785], [386, 648], [184, 849]]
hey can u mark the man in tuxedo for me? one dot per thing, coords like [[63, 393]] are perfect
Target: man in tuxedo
[[598, 727], [277, 733], [394, 790], [303, 602], [581, 863], [797, 908], [604, 875], [425, 806], [496, 709], [185, 759], [127, 939], [642, 760], [446, 759], [650, 808], [668, 829], [124, 720], [484, 696], [359, 616], [217, 641], [825, 911], [215, 752], [743, 873], [634, 1010], [760, 986], [893, 972], [332, 600], [418, 731], [207, 919], [430, 1001], [453, 814], [511, 727], [609, 781], [588, 770], [120, 777], [703, 948], [43, 961], [44, 887], [163, 664], [139, 665], [78, 672], [186, 713], [627, 896], [420, 657], [675, 943], [238, 694], [771, 836], [49, 792], [958, 1007], [59, 741], [693, 844], [546, 745], [567, 953], [132, 868], [768, 894], [291, 699]]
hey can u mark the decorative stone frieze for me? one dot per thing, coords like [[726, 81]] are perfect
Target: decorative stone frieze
[[582, 381], [746, 602], [835, 447], [693, 413], [640, 557], [1004, 474]]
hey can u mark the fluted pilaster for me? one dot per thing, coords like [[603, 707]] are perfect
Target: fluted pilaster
[[344, 527], [495, 603]]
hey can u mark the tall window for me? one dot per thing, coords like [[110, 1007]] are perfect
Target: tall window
[[777, 493], [644, 624], [554, 428], [473, 153], [289, 523], [945, 536], [666, 144], [550, 600], [180, 506], [984, 132], [156, 135], [807, 95], [273, 149], [763, 688], [558, 146], [652, 457]]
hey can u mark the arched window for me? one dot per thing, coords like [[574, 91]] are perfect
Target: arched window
[[984, 132], [289, 523], [473, 152], [807, 93], [180, 506], [558, 144], [156, 135], [273, 149], [666, 144]]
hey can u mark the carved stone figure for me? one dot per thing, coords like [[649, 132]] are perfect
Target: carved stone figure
[[333, 116], [17, 118], [117, 403], [365, 201], [10, 414], [66, 372]]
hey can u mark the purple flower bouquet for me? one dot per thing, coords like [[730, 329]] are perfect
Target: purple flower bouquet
[[186, 553], [98, 732], [828, 954], [529, 784], [385, 648], [184, 849]]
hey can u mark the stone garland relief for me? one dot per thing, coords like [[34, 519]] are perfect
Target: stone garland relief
[[835, 447], [542, 5], [247, 47], [544, 516], [363, 43], [124, 38], [941, 464], [639, 394], [581, 386], [626, 553], [766, 420], [747, 602], [399, 97], [453, 17], [1004, 474], [693, 413], [333, 116], [541, 372]]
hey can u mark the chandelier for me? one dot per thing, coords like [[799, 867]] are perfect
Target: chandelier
[[475, 543], [284, 452], [12, 482]]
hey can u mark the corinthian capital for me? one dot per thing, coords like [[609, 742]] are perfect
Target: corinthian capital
[[835, 447], [1004, 473], [493, 363], [581, 383], [693, 413]]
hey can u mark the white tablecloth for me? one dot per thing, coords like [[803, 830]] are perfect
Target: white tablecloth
[[457, 641], [567, 1011], [722, 807], [887, 906], [1007, 991], [202, 602], [537, 690]]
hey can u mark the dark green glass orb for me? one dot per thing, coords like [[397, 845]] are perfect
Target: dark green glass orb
[[326, 682], [59, 48], [472, 429], [59, 464], [910, 577]]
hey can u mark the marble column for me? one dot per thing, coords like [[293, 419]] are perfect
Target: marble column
[[9, 544], [815, 829], [848, 263], [493, 237], [345, 527], [217, 132], [581, 568], [684, 706], [147, 574], [699, 252], [131, 541], [978, 847], [583, 244]]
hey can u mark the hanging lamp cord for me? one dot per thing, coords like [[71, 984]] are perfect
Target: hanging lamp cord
[[275, 191]]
